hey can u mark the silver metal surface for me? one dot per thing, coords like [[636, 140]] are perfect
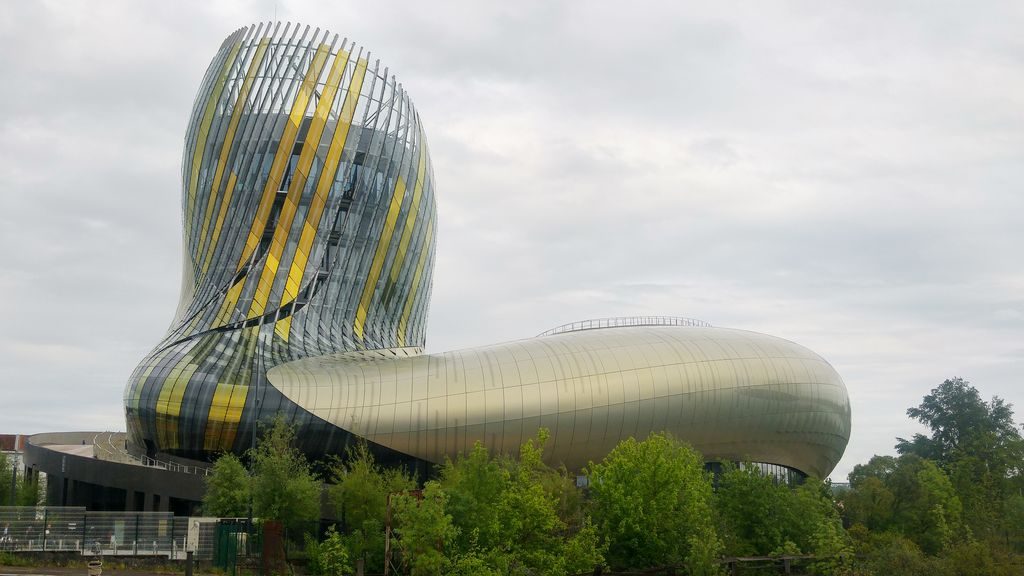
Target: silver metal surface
[[732, 394]]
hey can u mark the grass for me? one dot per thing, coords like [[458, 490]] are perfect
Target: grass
[[7, 559]]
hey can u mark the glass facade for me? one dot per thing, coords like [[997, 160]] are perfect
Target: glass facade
[[308, 219]]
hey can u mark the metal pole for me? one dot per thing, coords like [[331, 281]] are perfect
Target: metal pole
[[387, 538], [14, 482]]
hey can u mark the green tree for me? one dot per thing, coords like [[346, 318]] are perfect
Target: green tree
[[330, 557], [513, 515], [474, 483], [29, 493], [528, 513], [763, 515], [283, 487], [228, 489], [869, 503], [913, 497], [6, 470], [26, 490], [977, 444], [891, 553], [583, 551], [755, 512], [359, 494], [961, 423], [651, 502], [424, 530]]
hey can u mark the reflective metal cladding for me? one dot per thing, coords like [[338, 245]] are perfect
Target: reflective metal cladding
[[734, 395], [309, 232]]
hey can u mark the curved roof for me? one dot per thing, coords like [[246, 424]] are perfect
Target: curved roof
[[732, 394]]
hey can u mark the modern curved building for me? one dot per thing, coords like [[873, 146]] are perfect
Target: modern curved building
[[309, 232], [308, 214]]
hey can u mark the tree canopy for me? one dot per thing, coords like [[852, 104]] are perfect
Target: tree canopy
[[651, 501], [950, 503], [978, 446], [283, 487], [228, 489]]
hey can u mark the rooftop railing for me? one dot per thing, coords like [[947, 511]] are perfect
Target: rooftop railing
[[110, 446], [623, 322]]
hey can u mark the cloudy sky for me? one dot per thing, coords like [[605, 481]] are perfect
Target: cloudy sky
[[844, 175]]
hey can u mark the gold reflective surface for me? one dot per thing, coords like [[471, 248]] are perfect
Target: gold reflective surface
[[732, 394]]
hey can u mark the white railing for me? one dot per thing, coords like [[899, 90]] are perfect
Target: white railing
[[625, 321], [107, 449]]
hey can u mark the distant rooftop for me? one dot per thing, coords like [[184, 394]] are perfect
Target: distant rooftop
[[624, 322], [12, 442]]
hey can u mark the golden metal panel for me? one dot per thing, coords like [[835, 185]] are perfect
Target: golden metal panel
[[705, 392], [281, 158], [403, 323], [378, 258], [298, 178], [329, 172], [410, 217]]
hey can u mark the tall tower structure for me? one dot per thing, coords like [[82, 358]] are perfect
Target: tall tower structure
[[308, 217]]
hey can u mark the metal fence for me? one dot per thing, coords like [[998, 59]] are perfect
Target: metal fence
[[73, 529]]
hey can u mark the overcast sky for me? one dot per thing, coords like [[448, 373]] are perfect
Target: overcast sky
[[847, 177]]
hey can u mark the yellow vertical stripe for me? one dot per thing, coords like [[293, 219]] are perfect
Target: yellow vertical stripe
[[225, 414], [137, 388], [281, 157], [229, 397], [228, 306], [323, 189], [203, 134], [273, 184], [168, 406], [298, 181], [410, 218], [378, 258], [403, 324], [225, 150], [283, 327], [224, 203], [137, 391]]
